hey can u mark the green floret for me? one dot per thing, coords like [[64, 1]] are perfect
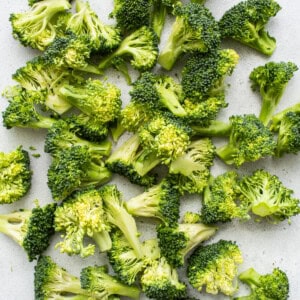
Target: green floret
[[191, 218], [118, 216], [133, 162], [53, 282], [175, 243], [249, 140], [204, 73], [273, 286], [215, 266], [31, 229], [220, 200], [276, 119], [191, 170], [246, 22], [159, 91], [160, 281], [160, 201], [15, 175], [35, 28], [267, 197], [80, 215], [86, 22], [100, 284], [61, 136], [73, 169], [271, 80], [194, 29]]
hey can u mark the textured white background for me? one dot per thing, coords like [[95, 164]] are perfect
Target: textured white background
[[263, 245]]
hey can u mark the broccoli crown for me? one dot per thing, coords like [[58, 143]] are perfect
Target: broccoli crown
[[271, 79], [204, 73], [72, 169], [176, 242], [15, 175], [215, 266], [246, 21], [191, 218], [160, 281], [161, 201], [249, 140], [268, 197], [35, 28], [194, 29], [190, 171], [274, 285], [220, 200], [53, 282], [95, 98]]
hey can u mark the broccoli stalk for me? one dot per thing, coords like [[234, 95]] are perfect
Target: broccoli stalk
[[216, 128], [158, 16]]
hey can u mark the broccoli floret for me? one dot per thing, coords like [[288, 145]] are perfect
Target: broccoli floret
[[276, 119], [160, 201], [215, 128], [194, 29], [204, 73], [85, 22], [72, 169], [271, 80], [53, 282], [220, 200], [80, 215], [191, 218], [118, 216], [267, 197], [175, 243], [273, 286], [31, 229], [160, 281], [133, 162], [35, 28], [94, 98], [215, 266], [191, 170], [246, 22], [249, 140], [15, 175]]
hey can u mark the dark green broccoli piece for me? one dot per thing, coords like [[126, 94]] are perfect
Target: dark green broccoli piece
[[31, 229], [215, 267], [72, 169], [15, 175], [249, 140], [191, 218], [176, 242], [53, 282], [194, 29], [160, 201], [35, 28], [220, 200], [271, 80], [133, 162], [273, 286], [215, 128], [267, 197], [246, 22], [190, 171]]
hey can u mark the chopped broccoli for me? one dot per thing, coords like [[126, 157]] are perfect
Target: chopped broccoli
[[215, 128], [191, 170], [271, 79], [215, 266], [194, 29], [249, 140], [220, 200], [273, 286], [15, 175], [191, 218], [277, 118], [72, 169], [246, 22], [175, 243], [35, 28], [31, 229], [267, 197], [82, 214]]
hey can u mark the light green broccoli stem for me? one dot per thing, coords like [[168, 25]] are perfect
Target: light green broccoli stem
[[96, 174], [103, 240], [216, 128], [227, 153], [276, 119], [89, 69], [44, 122], [57, 104], [158, 17], [250, 277], [146, 162], [117, 131]]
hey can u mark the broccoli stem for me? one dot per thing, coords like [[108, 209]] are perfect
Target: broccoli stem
[[57, 104], [276, 119], [227, 153], [117, 131], [95, 174], [145, 162], [44, 123], [117, 288], [103, 240], [216, 128], [90, 69], [158, 17]]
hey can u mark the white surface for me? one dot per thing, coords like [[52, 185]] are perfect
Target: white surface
[[263, 245]]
